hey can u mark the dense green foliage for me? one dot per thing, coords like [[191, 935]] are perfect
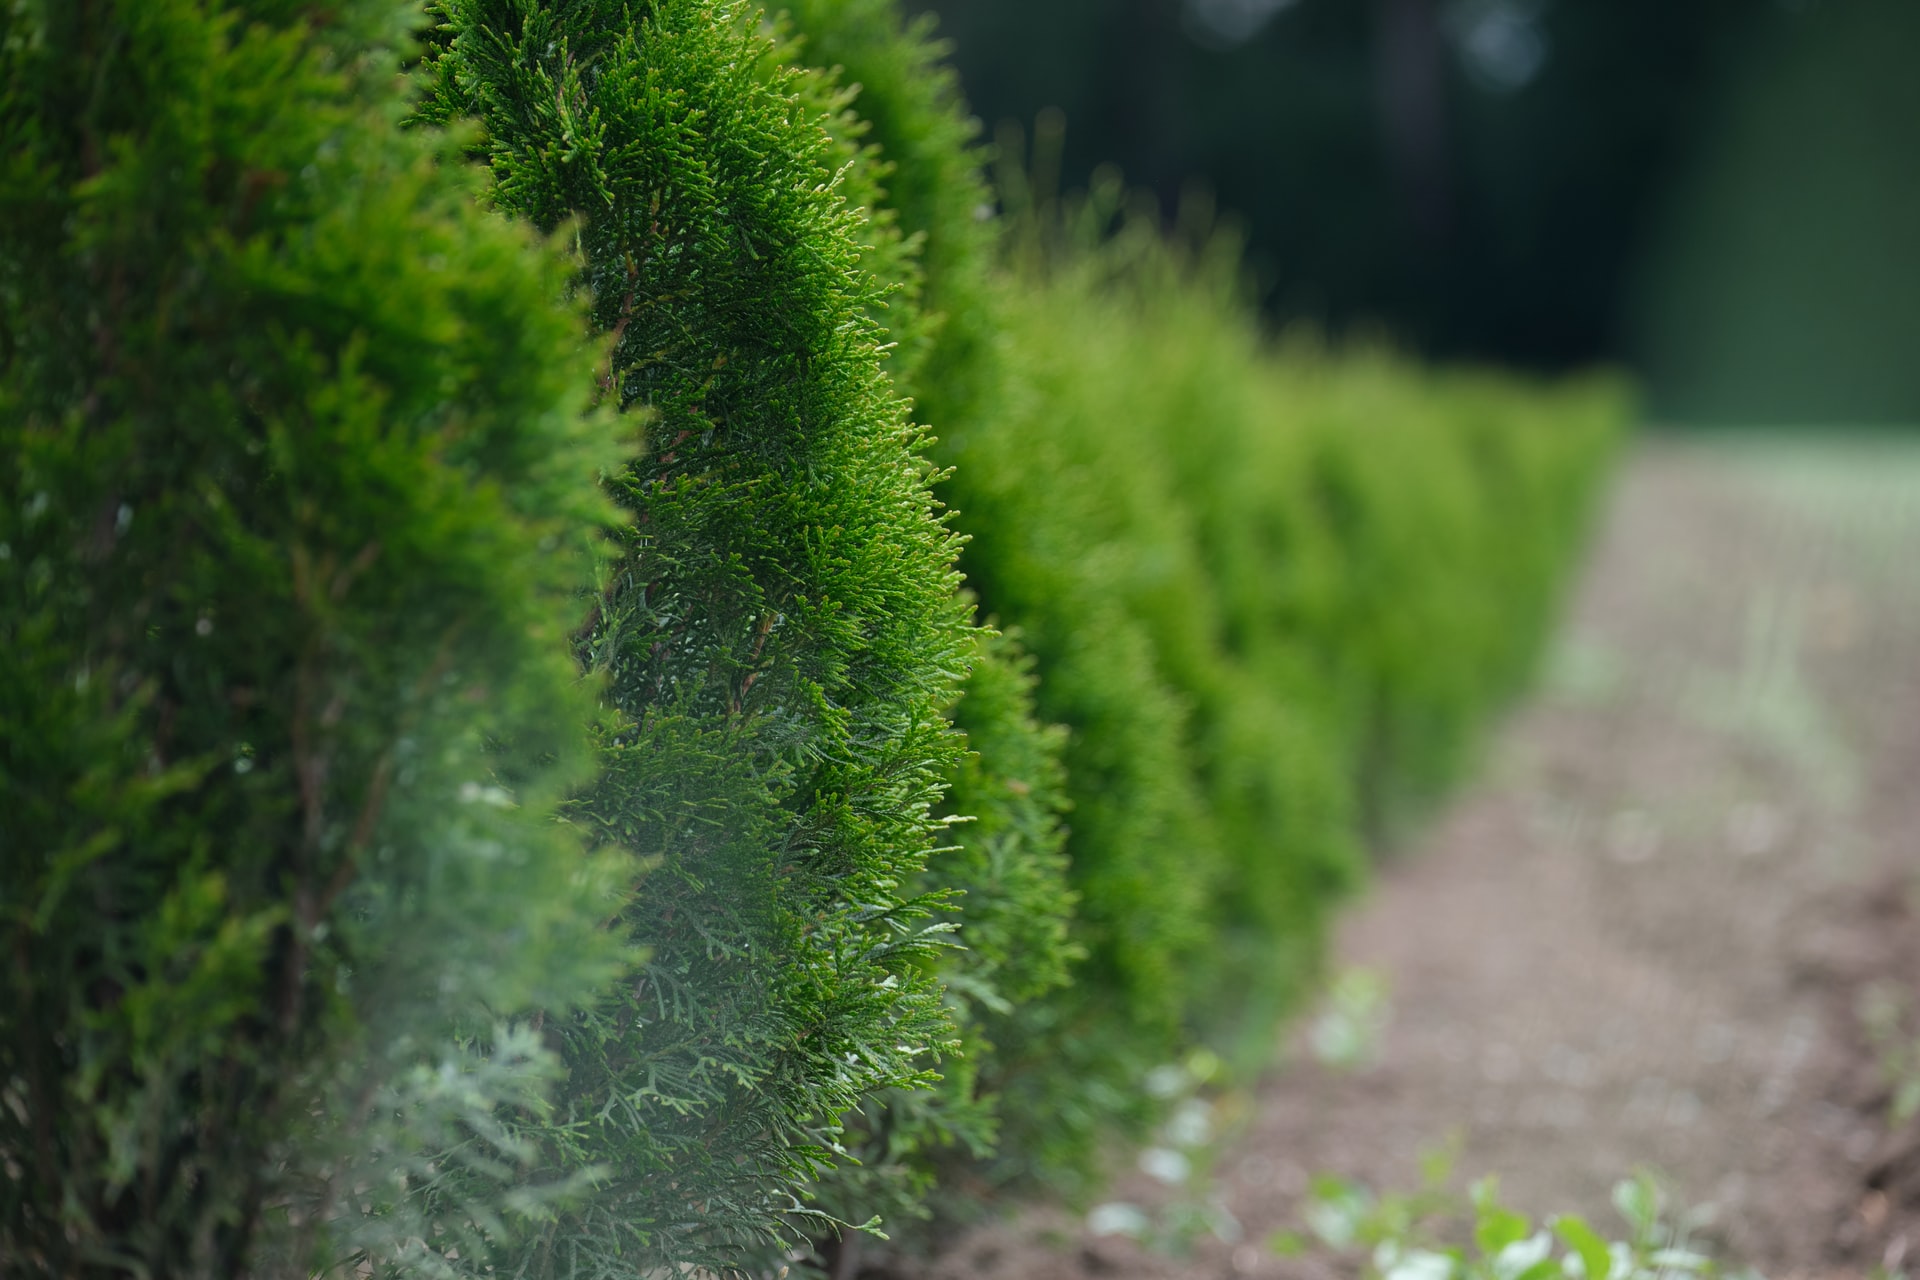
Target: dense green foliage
[[1060, 1071], [1419, 1233], [1328, 570], [349, 934], [1272, 595], [781, 634], [1006, 865], [295, 490], [1007, 869], [1055, 535]]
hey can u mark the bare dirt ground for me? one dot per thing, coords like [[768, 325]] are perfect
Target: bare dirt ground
[[1640, 937]]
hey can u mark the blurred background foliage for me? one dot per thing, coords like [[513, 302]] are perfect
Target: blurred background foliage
[[1717, 193]]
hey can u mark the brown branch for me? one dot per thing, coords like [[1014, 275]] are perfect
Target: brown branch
[[309, 772], [620, 325], [357, 566], [379, 783], [44, 1104]]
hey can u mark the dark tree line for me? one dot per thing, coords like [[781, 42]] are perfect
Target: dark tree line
[[1492, 179]]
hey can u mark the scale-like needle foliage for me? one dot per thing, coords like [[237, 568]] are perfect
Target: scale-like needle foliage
[[295, 496], [781, 633], [1008, 859], [1272, 595], [1055, 1068]]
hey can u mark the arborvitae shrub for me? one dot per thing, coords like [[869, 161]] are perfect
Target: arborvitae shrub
[[1448, 506], [780, 635], [918, 128], [1272, 599], [1007, 865], [1347, 563], [1059, 1069], [295, 495], [1006, 859]]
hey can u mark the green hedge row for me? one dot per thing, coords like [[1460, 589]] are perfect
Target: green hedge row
[[348, 932], [780, 633], [296, 503], [1273, 592]]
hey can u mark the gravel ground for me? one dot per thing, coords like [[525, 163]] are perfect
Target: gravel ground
[[1638, 940]]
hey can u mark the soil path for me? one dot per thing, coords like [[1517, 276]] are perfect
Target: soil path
[[1638, 939]]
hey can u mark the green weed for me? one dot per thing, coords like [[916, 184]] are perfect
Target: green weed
[[1435, 1234], [1885, 1010]]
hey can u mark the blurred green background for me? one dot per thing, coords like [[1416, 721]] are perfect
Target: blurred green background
[[1722, 194]]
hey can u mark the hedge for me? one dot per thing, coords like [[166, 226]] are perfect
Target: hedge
[[781, 634], [356, 935], [296, 492], [1345, 562], [1340, 565], [1273, 594]]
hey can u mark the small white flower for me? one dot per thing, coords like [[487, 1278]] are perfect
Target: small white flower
[[1117, 1218], [1191, 1124], [1167, 1165], [494, 797], [1521, 1254], [1420, 1264]]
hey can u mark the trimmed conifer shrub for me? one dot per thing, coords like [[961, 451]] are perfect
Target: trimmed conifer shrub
[[1347, 563], [1272, 599], [299, 492], [1059, 1071], [296, 492], [781, 633], [1415, 650], [913, 121], [1007, 861], [1011, 913]]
